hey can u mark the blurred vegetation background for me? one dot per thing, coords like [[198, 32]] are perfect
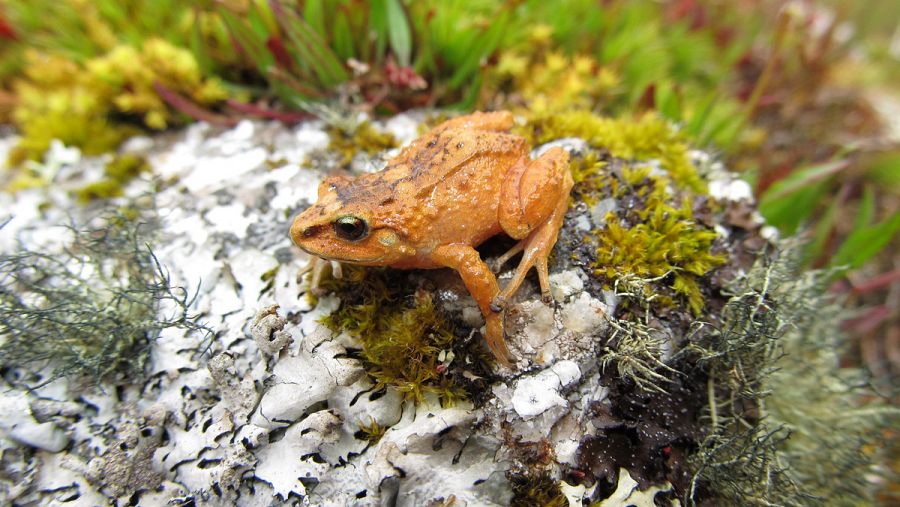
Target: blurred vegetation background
[[800, 97]]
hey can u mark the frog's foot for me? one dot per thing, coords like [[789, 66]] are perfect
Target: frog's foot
[[537, 248], [532, 209]]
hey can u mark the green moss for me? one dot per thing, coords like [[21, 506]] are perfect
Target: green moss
[[658, 239], [404, 339], [117, 173], [536, 490], [371, 432], [649, 137], [363, 138], [588, 173], [82, 104], [269, 278]]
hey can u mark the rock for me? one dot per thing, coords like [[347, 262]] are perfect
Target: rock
[[44, 436]]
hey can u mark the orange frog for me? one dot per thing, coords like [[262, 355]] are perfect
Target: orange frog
[[465, 181]]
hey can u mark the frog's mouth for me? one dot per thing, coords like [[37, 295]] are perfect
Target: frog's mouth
[[354, 260]]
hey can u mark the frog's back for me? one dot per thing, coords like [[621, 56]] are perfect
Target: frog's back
[[457, 154], [454, 182]]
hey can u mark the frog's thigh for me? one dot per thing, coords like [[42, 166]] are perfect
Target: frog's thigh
[[482, 284], [540, 229], [533, 191]]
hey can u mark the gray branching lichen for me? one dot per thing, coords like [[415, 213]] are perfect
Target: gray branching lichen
[[786, 424], [93, 308]]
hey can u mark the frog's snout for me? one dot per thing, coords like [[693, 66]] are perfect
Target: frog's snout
[[301, 231]]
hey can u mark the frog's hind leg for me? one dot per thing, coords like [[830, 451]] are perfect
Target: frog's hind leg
[[532, 208]]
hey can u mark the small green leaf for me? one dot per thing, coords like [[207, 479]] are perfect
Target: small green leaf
[[885, 170], [378, 26], [343, 37], [401, 40], [866, 210], [866, 242], [248, 40], [314, 14], [668, 100], [199, 49], [822, 233], [484, 45], [788, 211], [800, 179], [310, 50]]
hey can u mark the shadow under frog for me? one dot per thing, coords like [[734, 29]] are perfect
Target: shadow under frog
[[463, 182]]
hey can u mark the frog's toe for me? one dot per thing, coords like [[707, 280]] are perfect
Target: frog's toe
[[547, 297]]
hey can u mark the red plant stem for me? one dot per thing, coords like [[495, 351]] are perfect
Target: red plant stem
[[263, 112], [186, 106], [877, 282], [868, 321]]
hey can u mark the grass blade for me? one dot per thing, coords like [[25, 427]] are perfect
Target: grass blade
[[398, 31], [309, 49], [801, 179], [866, 242]]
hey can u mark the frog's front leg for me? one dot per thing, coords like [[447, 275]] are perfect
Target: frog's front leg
[[532, 208], [316, 267], [482, 285]]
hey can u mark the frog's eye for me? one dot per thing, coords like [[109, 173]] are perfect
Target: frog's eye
[[351, 228]]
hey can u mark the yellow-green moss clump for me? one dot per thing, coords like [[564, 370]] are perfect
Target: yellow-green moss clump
[[117, 173], [371, 432], [646, 138], [540, 79], [404, 339], [363, 138], [536, 489], [80, 103], [663, 240], [651, 234]]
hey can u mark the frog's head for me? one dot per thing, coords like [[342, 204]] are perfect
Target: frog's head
[[342, 226]]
